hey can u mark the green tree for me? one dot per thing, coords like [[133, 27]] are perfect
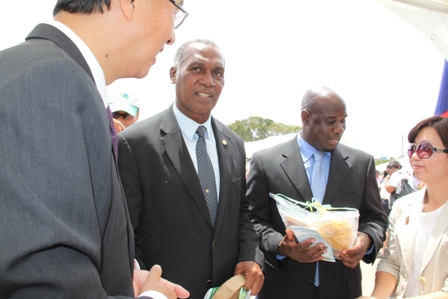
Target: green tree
[[257, 128]]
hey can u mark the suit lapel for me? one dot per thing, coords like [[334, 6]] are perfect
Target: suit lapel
[[225, 149], [407, 225], [339, 168], [179, 155], [295, 170], [48, 32]]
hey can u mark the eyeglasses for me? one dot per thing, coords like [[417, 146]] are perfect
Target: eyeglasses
[[424, 150], [181, 15], [391, 166], [118, 114]]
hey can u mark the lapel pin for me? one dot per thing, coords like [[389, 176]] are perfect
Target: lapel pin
[[224, 142], [407, 220]]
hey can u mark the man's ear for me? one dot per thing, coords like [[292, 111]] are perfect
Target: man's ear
[[305, 117], [173, 73], [128, 8]]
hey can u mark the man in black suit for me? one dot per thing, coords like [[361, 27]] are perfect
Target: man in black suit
[[196, 246], [348, 180], [64, 226]]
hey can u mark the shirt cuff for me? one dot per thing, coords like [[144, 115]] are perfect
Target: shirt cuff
[[136, 265], [280, 257], [371, 250], [153, 295]]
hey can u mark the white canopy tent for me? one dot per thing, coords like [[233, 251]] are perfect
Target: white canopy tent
[[430, 17]]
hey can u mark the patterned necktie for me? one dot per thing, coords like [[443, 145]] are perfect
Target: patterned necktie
[[113, 133], [318, 178], [206, 174], [318, 187]]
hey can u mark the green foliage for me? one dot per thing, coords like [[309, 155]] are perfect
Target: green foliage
[[257, 128], [381, 161]]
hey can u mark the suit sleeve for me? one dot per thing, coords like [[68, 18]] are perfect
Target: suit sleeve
[[51, 227], [373, 219], [131, 181], [248, 240], [258, 194]]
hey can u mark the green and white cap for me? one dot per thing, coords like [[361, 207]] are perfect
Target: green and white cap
[[123, 102]]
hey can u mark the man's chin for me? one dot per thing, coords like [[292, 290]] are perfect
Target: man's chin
[[330, 148]]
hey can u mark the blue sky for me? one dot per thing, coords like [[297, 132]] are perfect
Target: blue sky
[[387, 71]]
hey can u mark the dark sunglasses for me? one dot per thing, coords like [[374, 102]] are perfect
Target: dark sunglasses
[[424, 150], [118, 114], [391, 166]]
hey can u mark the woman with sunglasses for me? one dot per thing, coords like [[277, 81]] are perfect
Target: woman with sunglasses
[[415, 263]]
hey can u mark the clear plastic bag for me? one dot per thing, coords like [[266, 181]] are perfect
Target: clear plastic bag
[[233, 288], [336, 228]]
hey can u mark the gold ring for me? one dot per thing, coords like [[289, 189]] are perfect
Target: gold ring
[[306, 249]]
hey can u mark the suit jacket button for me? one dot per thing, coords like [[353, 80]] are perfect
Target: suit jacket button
[[311, 282], [214, 244], [209, 281], [422, 279]]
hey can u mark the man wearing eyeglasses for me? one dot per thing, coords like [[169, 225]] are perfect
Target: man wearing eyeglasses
[[64, 225]]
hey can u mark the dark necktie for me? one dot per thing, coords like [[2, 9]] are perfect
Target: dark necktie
[[113, 133], [206, 174]]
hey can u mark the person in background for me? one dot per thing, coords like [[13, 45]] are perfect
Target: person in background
[[345, 178], [385, 198], [415, 262], [183, 173], [378, 177], [247, 167], [416, 184], [64, 226], [125, 110], [392, 182]]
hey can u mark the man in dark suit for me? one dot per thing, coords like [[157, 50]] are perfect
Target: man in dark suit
[[64, 226], [348, 180], [196, 246]]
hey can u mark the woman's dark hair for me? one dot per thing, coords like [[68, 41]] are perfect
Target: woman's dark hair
[[81, 6], [395, 164], [439, 123]]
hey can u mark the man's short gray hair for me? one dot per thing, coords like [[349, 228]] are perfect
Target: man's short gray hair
[[179, 57]]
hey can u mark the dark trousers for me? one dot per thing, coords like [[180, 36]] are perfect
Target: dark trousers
[[385, 204]]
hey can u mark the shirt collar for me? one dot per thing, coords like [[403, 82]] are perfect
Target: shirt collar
[[189, 126], [94, 65], [307, 149]]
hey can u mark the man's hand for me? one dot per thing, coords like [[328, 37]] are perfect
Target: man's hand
[[301, 252], [254, 276], [152, 281], [351, 257], [119, 127]]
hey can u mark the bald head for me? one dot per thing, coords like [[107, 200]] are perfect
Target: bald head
[[314, 97], [323, 118]]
